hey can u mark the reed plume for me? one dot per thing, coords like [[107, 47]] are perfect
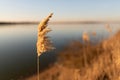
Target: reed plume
[[85, 37], [43, 42]]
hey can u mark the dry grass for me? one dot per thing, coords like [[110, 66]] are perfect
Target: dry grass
[[100, 62]]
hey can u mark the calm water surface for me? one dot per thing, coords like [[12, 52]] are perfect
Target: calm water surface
[[18, 45]]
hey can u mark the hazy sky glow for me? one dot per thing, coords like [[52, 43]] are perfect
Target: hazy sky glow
[[64, 10]]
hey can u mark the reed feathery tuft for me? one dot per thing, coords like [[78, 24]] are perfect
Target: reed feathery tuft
[[85, 37], [43, 42]]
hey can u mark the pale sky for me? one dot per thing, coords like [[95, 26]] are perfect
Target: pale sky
[[64, 10]]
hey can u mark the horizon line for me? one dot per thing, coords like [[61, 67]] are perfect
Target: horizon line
[[57, 22]]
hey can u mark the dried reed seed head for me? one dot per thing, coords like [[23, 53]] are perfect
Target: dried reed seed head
[[85, 37], [43, 42]]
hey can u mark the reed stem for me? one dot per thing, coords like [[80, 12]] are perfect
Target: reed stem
[[38, 67]]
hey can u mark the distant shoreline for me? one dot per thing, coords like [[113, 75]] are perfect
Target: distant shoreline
[[12, 23], [59, 22]]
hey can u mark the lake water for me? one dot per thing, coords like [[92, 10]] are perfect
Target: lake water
[[18, 45]]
